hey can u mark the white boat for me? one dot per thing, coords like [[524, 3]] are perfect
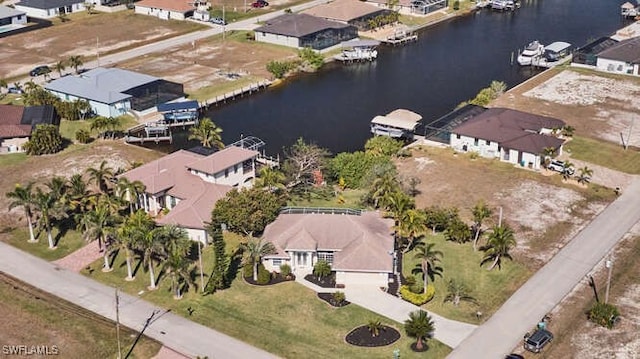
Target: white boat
[[503, 5], [532, 51], [358, 50]]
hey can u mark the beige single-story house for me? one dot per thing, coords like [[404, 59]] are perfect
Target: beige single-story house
[[512, 136], [17, 122], [302, 30], [166, 9], [359, 246], [183, 187], [352, 12], [621, 58]]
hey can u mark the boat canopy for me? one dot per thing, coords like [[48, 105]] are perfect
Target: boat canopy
[[178, 106], [404, 119], [628, 6], [360, 43], [558, 46]]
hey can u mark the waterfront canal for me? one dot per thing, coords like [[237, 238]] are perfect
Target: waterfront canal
[[448, 64]]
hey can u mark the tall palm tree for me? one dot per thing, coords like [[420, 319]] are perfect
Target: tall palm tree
[[208, 133], [457, 292], [150, 244], [57, 187], [129, 191], [429, 259], [130, 233], [100, 225], [412, 225], [78, 194], [480, 212], [500, 242], [419, 326], [399, 203], [100, 123], [178, 266], [254, 250], [382, 188], [60, 66], [584, 175], [49, 208], [270, 179], [75, 61], [101, 176], [22, 196]]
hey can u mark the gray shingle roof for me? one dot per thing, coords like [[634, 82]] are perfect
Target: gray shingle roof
[[298, 25], [626, 50], [6, 12], [48, 4], [104, 85]]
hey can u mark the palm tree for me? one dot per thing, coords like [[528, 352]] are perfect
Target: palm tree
[[270, 179], [57, 187], [584, 175], [382, 188], [322, 269], [151, 245], [412, 225], [567, 170], [254, 250], [568, 131], [49, 208], [22, 196], [129, 191], [500, 242], [75, 61], [99, 123], [101, 176], [419, 326], [375, 326], [429, 258], [480, 213], [60, 66], [100, 225], [113, 123], [178, 267], [399, 203], [130, 233], [457, 291], [79, 196], [207, 133]]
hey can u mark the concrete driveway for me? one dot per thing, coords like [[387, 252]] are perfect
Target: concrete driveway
[[545, 289]]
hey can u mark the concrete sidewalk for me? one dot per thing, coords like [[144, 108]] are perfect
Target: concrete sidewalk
[[449, 332], [545, 289], [174, 331]]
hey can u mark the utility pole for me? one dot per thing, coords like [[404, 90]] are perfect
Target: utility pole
[[609, 265], [201, 268], [224, 23], [118, 324]]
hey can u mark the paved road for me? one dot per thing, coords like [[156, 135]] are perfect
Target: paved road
[[542, 292], [173, 331]]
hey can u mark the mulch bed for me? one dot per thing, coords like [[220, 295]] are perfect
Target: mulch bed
[[326, 282], [328, 297], [362, 337], [275, 279]]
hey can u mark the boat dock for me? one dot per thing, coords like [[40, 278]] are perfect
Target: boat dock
[[232, 95], [401, 37], [358, 51]]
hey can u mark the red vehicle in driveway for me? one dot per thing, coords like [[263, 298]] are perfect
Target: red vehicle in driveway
[[259, 4]]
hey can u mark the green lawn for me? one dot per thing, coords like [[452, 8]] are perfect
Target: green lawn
[[604, 154], [71, 242], [12, 159], [352, 199], [460, 262], [269, 317]]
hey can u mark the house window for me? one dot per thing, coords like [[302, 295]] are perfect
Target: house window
[[458, 136], [235, 168], [487, 142], [276, 262], [475, 142], [226, 172], [326, 256]]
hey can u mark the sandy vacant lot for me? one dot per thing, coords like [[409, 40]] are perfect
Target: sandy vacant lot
[[84, 35]]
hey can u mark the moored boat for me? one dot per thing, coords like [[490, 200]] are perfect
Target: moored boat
[[532, 51]]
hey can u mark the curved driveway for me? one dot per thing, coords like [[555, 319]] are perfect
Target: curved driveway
[[545, 289]]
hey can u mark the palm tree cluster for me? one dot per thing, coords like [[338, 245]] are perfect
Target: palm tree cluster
[[105, 209]]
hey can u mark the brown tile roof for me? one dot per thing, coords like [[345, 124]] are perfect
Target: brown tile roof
[[195, 211], [298, 25], [343, 10], [173, 5], [10, 118], [222, 159], [163, 173], [625, 50], [512, 129], [361, 243]]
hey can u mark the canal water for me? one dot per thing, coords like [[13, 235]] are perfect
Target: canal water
[[448, 64]]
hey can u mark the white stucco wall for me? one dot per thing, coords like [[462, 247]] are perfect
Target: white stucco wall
[[271, 267], [14, 144], [196, 234], [159, 13], [355, 278], [277, 39], [48, 13], [618, 67], [234, 176], [484, 149], [99, 108]]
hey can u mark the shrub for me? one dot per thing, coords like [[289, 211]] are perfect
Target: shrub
[[264, 277], [45, 139], [338, 297], [415, 298], [309, 56], [285, 270], [83, 136], [604, 314], [279, 68], [322, 269]]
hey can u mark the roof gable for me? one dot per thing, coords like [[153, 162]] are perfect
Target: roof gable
[[343, 10], [625, 50], [223, 159]]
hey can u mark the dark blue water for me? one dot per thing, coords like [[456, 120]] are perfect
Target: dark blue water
[[449, 63]]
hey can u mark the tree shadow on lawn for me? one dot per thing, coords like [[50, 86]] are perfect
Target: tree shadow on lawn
[[63, 226]]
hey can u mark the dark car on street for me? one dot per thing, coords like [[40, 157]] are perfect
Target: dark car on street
[[259, 4], [40, 70], [536, 341]]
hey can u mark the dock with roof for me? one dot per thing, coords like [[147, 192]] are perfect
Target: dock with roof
[[400, 123]]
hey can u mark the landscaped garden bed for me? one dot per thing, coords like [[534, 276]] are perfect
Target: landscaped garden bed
[[363, 336], [275, 279], [324, 282], [334, 299]]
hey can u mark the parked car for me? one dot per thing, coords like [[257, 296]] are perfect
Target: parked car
[[14, 90], [559, 166], [514, 356], [40, 70], [259, 4], [536, 341], [217, 20]]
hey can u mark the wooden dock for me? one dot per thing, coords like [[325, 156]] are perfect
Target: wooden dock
[[155, 139], [232, 95], [400, 40]]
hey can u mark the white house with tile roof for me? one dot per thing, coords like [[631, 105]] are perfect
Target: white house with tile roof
[[183, 187], [46, 9], [359, 246]]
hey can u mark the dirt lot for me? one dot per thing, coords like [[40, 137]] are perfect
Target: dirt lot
[[598, 105], [83, 35], [544, 212]]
